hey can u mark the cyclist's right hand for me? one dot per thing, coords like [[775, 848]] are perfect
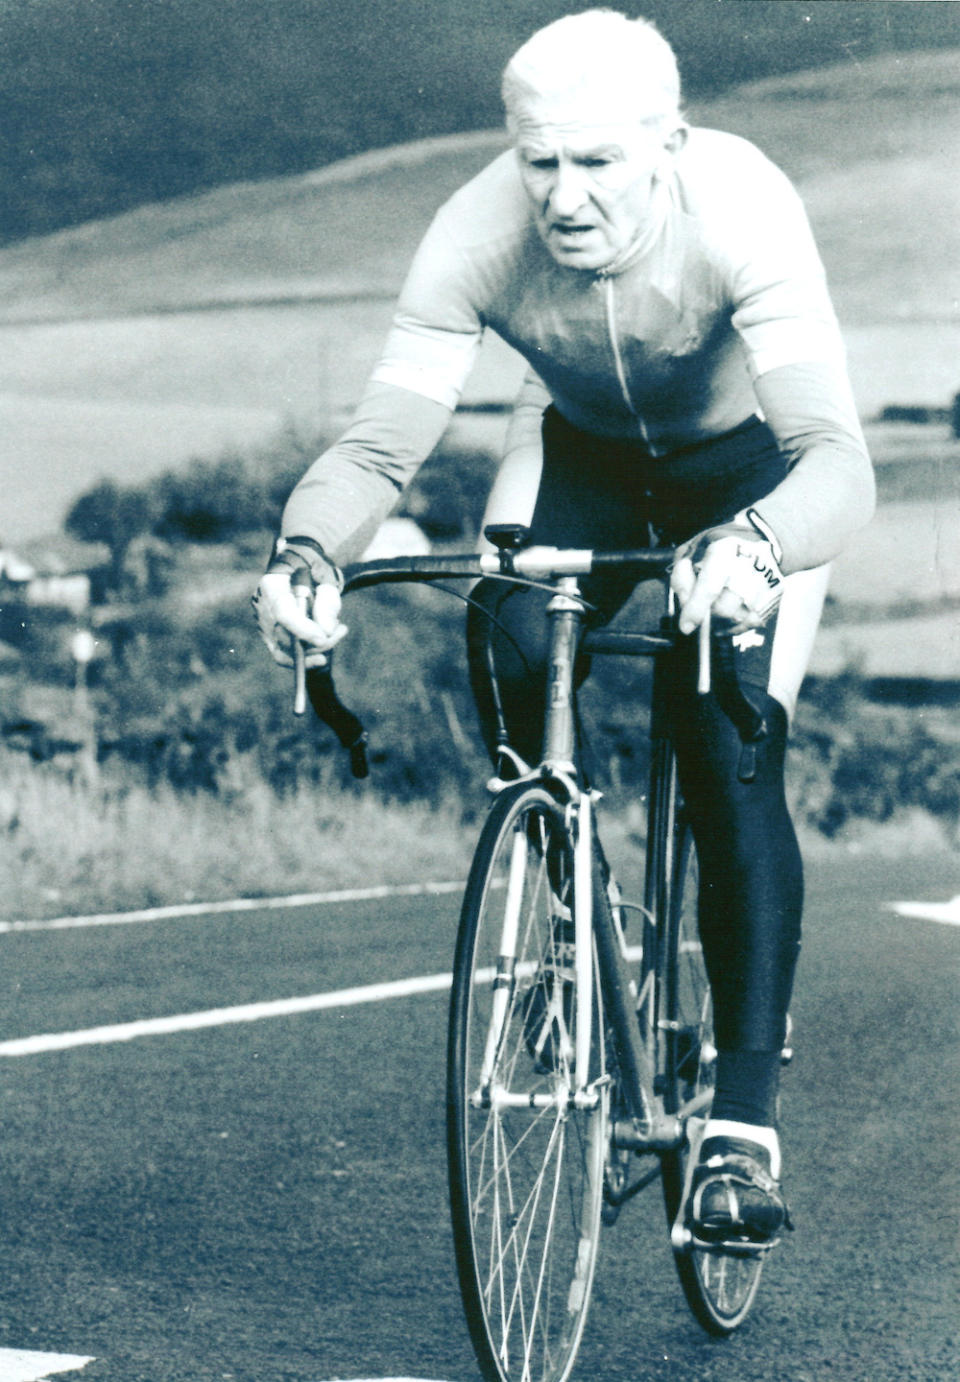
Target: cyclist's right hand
[[298, 598]]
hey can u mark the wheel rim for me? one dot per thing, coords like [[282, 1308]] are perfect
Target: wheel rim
[[720, 1287], [532, 1175]]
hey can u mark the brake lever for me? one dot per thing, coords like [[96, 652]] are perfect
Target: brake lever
[[316, 684], [301, 593], [703, 654]]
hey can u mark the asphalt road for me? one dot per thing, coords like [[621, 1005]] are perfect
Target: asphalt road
[[264, 1200]]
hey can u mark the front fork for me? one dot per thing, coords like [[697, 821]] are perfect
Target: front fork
[[583, 935], [583, 1092], [505, 978]]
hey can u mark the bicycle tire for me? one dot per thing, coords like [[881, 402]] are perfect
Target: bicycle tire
[[719, 1287], [525, 1182]]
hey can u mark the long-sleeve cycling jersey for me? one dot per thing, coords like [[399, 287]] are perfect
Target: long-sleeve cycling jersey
[[720, 309]]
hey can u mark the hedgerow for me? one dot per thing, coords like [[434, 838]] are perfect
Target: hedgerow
[[198, 707], [186, 699]]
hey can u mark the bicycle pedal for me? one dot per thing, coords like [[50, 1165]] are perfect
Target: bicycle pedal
[[734, 1247], [683, 1239]]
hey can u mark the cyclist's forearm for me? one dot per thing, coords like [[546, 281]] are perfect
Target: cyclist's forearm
[[514, 494], [830, 492], [524, 430], [346, 494]]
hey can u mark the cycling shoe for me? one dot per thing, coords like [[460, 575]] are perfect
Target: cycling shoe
[[734, 1199]]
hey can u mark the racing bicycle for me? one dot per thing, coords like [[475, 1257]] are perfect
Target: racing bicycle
[[581, 1055]]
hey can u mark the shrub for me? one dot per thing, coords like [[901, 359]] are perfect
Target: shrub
[[222, 500]]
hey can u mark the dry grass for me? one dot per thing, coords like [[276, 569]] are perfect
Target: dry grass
[[68, 847], [72, 848]]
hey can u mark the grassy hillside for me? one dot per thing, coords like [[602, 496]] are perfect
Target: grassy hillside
[[130, 344], [107, 104], [341, 232], [871, 144]]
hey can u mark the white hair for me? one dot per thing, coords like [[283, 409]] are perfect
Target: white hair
[[598, 52]]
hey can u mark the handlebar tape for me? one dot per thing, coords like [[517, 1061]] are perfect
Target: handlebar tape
[[329, 708]]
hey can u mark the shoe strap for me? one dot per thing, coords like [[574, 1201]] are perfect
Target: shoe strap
[[740, 1168]]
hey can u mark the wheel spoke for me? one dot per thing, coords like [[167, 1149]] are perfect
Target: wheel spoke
[[527, 1166], [719, 1287], [495, 1127]]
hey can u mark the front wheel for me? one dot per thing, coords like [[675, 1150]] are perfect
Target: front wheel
[[719, 1287], [526, 1159]]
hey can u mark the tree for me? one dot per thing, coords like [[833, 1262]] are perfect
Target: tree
[[112, 514]]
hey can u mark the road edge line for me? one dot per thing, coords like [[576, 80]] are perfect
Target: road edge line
[[178, 910]]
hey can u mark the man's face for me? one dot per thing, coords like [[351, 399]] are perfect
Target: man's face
[[589, 185]]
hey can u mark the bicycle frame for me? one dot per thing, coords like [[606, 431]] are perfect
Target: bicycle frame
[[634, 1019], [561, 1067]]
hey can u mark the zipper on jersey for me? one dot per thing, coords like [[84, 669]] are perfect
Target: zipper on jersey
[[611, 315]]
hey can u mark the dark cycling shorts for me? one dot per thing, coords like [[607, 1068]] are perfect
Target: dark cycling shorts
[[597, 492]]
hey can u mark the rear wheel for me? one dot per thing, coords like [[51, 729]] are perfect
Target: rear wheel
[[720, 1287], [526, 1163]]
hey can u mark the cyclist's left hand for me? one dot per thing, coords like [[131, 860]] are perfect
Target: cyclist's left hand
[[733, 570]]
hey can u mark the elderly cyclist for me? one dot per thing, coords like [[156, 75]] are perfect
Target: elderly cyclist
[[687, 385]]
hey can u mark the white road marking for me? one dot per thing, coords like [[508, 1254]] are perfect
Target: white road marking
[[947, 913], [248, 1012], [21, 1365], [241, 904], [219, 1017]]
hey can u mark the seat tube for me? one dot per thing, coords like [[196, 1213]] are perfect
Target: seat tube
[[565, 612]]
